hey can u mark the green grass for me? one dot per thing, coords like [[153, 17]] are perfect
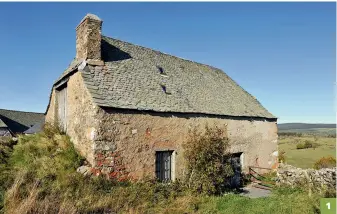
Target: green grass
[[305, 158], [281, 203], [6, 149]]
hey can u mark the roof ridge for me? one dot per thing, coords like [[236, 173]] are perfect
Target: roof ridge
[[21, 111], [165, 53]]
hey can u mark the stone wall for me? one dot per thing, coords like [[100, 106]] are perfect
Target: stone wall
[[81, 116], [123, 143], [81, 113], [51, 111], [317, 179], [127, 140]]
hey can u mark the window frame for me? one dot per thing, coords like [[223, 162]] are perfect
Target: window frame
[[161, 168]]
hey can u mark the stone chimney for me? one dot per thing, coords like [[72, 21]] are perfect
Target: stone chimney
[[88, 38]]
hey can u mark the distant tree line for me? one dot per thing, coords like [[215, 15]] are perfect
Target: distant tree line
[[290, 134], [298, 134]]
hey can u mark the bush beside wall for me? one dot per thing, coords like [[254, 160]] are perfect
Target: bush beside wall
[[325, 162]]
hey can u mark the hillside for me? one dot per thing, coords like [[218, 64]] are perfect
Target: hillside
[[290, 126], [308, 128]]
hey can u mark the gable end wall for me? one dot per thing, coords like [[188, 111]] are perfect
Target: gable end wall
[[80, 115]]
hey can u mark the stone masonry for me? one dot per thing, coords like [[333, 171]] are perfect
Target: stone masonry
[[318, 179], [88, 38], [127, 140]]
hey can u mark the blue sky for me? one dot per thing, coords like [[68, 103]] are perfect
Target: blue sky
[[282, 53]]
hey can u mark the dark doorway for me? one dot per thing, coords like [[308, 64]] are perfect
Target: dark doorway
[[236, 180]]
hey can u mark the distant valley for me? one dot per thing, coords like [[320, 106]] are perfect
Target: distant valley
[[310, 128]]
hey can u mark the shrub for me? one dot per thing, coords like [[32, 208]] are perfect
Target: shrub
[[289, 134], [300, 146], [207, 160], [6, 177], [308, 144], [325, 162], [282, 157], [331, 135], [46, 181], [49, 130]]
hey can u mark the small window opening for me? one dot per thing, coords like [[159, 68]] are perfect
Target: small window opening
[[163, 87], [161, 70], [164, 166]]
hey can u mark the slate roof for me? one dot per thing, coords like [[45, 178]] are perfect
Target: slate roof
[[135, 77], [20, 121], [34, 129], [72, 67], [2, 124]]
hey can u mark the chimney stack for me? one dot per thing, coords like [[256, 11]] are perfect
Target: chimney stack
[[88, 38]]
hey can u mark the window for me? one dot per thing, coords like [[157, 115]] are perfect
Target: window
[[161, 71], [163, 87], [164, 166]]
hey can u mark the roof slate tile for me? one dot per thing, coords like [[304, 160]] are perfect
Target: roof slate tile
[[134, 77], [190, 87]]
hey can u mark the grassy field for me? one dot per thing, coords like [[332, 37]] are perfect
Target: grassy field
[[305, 158], [282, 201]]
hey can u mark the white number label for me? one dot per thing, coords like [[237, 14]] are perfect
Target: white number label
[[328, 205]]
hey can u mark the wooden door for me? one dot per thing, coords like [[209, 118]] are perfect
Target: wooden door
[[62, 107]]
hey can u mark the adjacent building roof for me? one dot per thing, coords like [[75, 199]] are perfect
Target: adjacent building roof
[[135, 77], [34, 129], [20, 121], [2, 124]]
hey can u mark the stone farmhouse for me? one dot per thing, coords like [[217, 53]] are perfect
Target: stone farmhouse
[[19, 122], [128, 108]]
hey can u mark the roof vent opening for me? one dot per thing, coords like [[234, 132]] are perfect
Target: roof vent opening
[[161, 70], [163, 87]]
